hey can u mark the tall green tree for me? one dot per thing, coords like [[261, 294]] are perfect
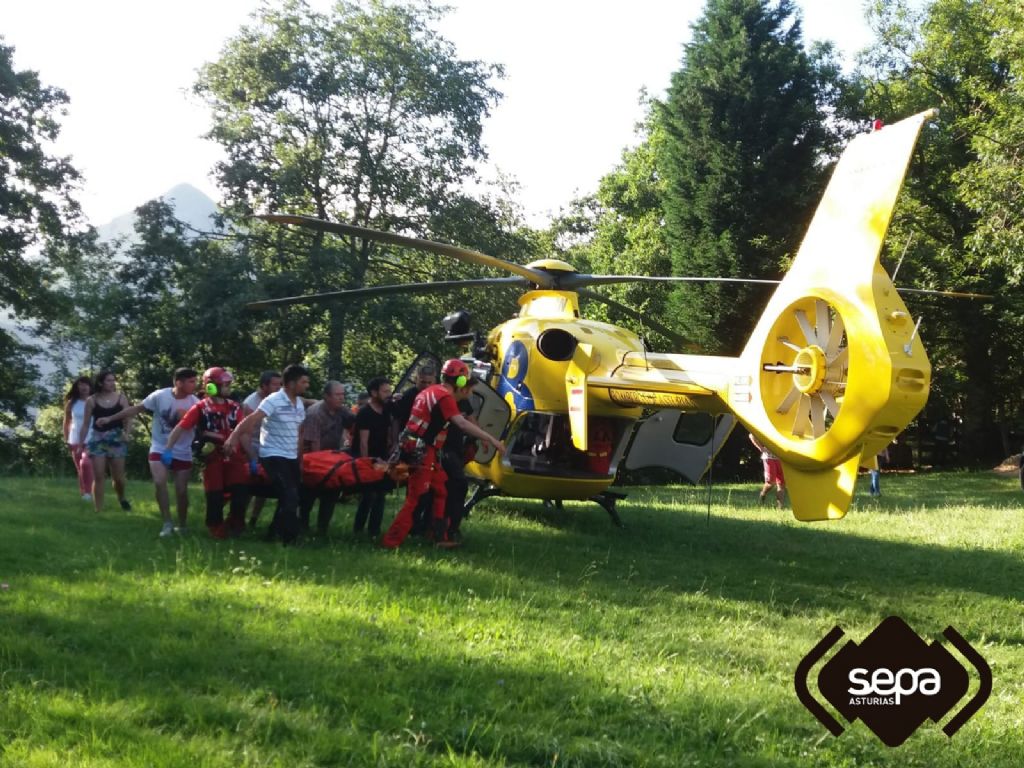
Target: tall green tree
[[40, 220], [954, 55], [619, 230], [992, 185], [364, 114], [147, 306], [746, 144]]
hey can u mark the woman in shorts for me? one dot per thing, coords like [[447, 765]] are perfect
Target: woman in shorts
[[74, 411], [107, 444]]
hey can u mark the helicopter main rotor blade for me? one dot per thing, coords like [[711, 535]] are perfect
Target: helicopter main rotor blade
[[668, 333], [384, 290], [951, 294], [571, 281], [543, 279]]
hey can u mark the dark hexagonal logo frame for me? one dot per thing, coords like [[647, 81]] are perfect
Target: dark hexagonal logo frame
[[893, 681]]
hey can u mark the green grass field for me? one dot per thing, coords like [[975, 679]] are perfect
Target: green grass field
[[550, 639]]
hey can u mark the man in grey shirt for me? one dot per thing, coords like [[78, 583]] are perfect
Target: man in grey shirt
[[325, 428]]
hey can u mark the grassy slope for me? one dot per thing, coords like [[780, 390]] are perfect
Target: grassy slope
[[550, 639]]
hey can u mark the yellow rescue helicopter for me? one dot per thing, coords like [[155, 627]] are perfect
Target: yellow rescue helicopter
[[832, 372]]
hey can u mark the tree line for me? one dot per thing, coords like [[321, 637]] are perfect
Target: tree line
[[366, 114]]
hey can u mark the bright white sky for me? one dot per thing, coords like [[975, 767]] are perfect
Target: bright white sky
[[574, 71]]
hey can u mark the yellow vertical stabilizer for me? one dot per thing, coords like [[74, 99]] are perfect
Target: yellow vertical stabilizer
[[822, 494], [834, 369]]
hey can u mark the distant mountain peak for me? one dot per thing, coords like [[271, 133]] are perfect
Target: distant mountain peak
[[190, 205]]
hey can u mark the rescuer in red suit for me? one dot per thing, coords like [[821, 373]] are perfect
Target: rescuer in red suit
[[216, 417], [420, 445]]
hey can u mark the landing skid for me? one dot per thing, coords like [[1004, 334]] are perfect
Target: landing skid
[[481, 492], [606, 499]]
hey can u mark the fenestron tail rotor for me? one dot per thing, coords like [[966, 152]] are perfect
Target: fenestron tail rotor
[[815, 370]]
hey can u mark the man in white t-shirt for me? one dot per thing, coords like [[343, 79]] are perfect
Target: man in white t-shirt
[[270, 382], [167, 406], [279, 418]]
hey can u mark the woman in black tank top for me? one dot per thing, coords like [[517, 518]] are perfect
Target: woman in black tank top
[[99, 412], [107, 443]]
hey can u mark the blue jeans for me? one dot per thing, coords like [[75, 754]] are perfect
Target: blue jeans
[[875, 476]]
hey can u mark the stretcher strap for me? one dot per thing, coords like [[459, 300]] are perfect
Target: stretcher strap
[[330, 473]]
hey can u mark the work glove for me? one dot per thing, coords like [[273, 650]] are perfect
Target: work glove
[[167, 457]]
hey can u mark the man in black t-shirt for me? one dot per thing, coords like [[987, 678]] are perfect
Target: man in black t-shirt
[[453, 461], [373, 438], [426, 376]]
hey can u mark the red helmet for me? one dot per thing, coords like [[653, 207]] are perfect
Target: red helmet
[[216, 377], [454, 369]]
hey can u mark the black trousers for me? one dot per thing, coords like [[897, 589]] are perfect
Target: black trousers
[[285, 478], [370, 510], [308, 497], [423, 516], [458, 487], [215, 506]]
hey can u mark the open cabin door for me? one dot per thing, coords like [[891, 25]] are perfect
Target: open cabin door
[[683, 442], [492, 416]]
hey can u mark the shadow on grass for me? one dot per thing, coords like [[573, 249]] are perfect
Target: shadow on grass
[[814, 566], [801, 567], [155, 673], [161, 644]]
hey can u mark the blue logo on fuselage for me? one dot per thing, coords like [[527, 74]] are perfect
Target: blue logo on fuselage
[[513, 376]]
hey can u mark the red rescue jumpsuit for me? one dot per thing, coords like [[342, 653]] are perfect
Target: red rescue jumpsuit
[[426, 430], [221, 473]]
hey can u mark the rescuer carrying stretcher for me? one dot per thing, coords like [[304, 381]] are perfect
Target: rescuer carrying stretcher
[[420, 446]]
